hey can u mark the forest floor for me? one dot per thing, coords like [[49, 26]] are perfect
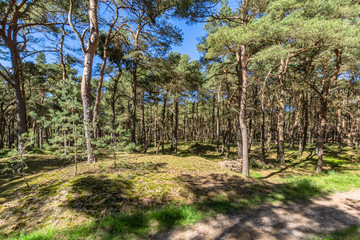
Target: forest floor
[[137, 196], [303, 219]]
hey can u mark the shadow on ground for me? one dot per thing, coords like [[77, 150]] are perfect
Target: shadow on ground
[[103, 195], [298, 216]]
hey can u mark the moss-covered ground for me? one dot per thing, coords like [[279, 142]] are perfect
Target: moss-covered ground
[[136, 195]]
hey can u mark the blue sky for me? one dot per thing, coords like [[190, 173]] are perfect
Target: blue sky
[[192, 34], [191, 37]]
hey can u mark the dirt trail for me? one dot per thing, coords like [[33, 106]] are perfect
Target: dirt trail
[[301, 220]]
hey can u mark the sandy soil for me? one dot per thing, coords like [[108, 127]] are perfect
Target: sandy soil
[[301, 220]]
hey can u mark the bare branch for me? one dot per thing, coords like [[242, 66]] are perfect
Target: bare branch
[[74, 29]]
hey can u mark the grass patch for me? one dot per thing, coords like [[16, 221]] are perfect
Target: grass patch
[[138, 225], [256, 174], [329, 182], [351, 233]]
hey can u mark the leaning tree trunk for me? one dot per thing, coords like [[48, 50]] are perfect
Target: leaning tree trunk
[[62, 59], [102, 70]]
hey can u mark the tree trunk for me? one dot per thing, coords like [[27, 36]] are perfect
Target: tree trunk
[[143, 130], [62, 60], [321, 137], [325, 92], [113, 103], [102, 70], [86, 100], [281, 115], [243, 62], [218, 120], [156, 124], [21, 114], [15, 79], [305, 123], [133, 102], [176, 123], [162, 134], [88, 52]]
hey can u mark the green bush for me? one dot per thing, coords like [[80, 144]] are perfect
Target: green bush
[[131, 147]]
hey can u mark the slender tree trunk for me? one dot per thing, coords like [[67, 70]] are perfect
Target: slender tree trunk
[[218, 119], [65, 142], [305, 123], [185, 123], [228, 130], [113, 111], [325, 92], [62, 59], [176, 123], [263, 118], [133, 102], [243, 62], [321, 137], [143, 130], [281, 115], [238, 131], [102, 70], [75, 148], [163, 126], [86, 100], [156, 124], [88, 52]]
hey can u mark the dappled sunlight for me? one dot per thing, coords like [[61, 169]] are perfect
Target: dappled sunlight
[[145, 194]]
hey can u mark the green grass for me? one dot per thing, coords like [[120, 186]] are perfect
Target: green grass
[[351, 233], [329, 182], [255, 174], [137, 225], [148, 221]]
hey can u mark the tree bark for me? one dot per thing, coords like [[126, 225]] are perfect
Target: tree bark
[[244, 134], [88, 52], [9, 36], [176, 123], [304, 124], [281, 115], [62, 59], [102, 69], [133, 102], [325, 93], [218, 119]]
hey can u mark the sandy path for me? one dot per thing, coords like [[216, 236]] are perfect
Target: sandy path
[[299, 220]]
